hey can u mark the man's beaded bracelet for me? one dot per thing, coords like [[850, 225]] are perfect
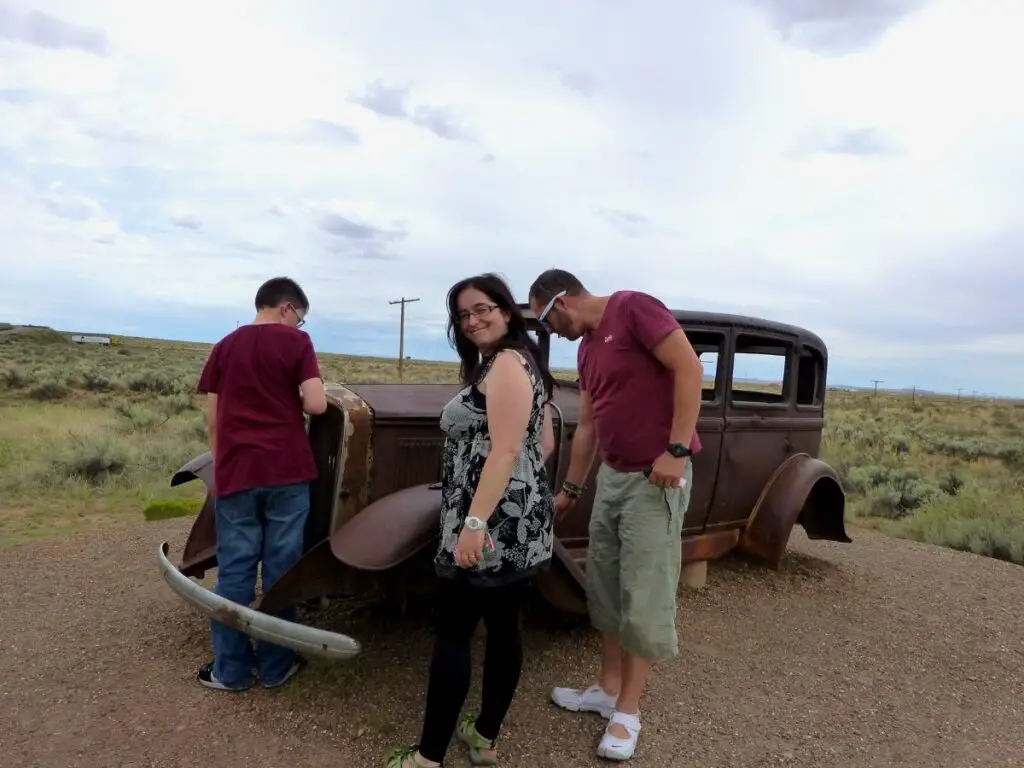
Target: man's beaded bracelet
[[571, 489]]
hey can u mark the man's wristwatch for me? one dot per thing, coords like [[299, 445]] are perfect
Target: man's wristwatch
[[475, 523], [679, 450]]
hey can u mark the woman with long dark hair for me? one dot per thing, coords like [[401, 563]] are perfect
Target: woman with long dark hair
[[496, 517]]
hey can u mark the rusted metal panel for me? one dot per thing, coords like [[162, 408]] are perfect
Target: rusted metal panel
[[405, 456], [356, 462], [317, 573], [389, 531], [405, 401], [201, 546], [200, 467]]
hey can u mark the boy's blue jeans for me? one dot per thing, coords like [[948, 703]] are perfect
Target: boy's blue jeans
[[260, 524]]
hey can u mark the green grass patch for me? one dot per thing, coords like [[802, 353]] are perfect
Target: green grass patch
[[170, 508]]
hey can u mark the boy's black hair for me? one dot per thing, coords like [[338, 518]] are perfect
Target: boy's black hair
[[281, 290]]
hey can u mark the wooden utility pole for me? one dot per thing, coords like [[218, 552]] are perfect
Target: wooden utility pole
[[401, 335], [877, 382]]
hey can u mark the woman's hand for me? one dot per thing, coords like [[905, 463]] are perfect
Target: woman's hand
[[469, 551]]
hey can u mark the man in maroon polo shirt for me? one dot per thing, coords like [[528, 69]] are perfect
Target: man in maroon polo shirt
[[259, 379], [640, 394]]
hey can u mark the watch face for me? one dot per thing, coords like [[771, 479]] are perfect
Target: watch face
[[678, 450]]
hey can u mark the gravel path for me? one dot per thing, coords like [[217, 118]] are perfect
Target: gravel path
[[880, 653]]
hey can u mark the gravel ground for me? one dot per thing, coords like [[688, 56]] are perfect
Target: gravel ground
[[880, 653]]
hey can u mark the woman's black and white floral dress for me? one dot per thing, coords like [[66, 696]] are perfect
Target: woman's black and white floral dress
[[521, 526]]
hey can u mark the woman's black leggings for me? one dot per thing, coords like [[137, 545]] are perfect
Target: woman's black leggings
[[462, 605]]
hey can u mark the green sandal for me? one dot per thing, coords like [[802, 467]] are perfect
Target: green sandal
[[468, 735], [404, 757]]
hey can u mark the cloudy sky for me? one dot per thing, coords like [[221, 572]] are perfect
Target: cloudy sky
[[851, 171]]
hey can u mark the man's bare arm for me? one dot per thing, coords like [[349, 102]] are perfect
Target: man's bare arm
[[584, 443], [675, 352], [211, 421]]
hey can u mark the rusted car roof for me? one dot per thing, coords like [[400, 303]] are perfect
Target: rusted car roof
[[740, 322]]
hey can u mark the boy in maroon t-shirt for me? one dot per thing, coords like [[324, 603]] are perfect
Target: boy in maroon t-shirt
[[640, 394], [259, 379]]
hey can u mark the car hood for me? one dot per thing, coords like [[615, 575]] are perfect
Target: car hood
[[426, 401]]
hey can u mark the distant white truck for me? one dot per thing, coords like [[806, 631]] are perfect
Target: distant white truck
[[79, 338]]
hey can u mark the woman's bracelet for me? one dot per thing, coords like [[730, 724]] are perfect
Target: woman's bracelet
[[572, 490]]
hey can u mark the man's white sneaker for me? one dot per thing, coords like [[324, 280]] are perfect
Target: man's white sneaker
[[614, 748], [593, 699]]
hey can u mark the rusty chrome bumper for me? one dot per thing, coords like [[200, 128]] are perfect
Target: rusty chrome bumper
[[304, 640]]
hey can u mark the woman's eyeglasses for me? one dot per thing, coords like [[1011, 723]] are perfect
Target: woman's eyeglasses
[[478, 311]]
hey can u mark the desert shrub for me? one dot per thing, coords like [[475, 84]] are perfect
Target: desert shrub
[[1006, 450], [154, 382], [95, 381], [14, 378], [194, 429], [141, 417], [51, 389], [984, 519], [93, 459], [178, 403], [892, 492], [951, 483], [899, 442]]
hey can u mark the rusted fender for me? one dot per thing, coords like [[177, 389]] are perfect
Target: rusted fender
[[390, 530], [201, 466], [201, 546], [305, 640], [805, 490]]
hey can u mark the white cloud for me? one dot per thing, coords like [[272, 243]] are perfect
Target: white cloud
[[836, 170]]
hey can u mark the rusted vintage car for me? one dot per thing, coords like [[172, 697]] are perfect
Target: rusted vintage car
[[374, 514]]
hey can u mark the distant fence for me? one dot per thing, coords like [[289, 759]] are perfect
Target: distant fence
[[914, 393]]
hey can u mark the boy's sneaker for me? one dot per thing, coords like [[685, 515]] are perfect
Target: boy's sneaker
[[206, 677], [593, 699], [296, 667]]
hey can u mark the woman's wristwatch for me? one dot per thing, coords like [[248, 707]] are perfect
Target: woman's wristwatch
[[475, 523]]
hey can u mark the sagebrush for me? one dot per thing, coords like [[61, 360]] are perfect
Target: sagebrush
[[92, 433]]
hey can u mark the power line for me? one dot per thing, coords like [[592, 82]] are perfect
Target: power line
[[401, 335]]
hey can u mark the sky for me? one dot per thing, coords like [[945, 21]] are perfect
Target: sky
[[852, 168]]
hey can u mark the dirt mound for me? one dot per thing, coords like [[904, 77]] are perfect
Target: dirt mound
[[32, 334]]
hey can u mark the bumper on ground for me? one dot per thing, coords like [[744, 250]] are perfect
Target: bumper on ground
[[304, 640]]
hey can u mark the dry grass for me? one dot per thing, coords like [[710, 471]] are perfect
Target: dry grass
[[91, 434]]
